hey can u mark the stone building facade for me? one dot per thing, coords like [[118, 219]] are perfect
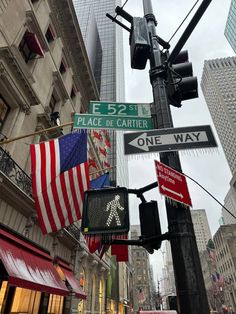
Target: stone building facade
[[45, 77], [225, 246], [143, 294]]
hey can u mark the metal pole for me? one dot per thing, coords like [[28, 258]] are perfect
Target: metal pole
[[191, 294]]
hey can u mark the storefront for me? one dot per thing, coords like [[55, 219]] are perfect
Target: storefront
[[30, 282]]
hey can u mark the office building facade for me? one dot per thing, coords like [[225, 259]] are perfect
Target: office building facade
[[219, 88], [201, 228], [225, 242], [230, 28], [112, 70], [143, 296]]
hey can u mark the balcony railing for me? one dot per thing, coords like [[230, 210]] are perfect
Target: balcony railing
[[74, 231], [14, 172]]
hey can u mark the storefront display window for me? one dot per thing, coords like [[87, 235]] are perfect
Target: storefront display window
[[26, 301], [2, 294], [55, 304], [82, 285], [101, 297]]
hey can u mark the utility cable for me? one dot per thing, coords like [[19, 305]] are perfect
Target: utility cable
[[209, 194], [183, 20]]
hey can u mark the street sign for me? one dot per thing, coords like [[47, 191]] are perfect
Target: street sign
[[163, 140], [88, 121], [105, 211], [119, 109], [172, 184]]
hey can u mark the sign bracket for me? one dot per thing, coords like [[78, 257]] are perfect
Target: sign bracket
[[140, 242]]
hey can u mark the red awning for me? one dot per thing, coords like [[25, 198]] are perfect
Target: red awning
[[33, 43], [73, 282], [29, 267]]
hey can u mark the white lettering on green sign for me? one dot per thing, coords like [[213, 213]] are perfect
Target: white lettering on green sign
[[87, 121]]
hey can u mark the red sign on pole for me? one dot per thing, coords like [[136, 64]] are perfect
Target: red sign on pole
[[172, 184]]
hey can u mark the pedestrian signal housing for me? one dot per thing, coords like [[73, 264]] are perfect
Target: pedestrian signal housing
[[139, 43], [150, 225], [105, 211]]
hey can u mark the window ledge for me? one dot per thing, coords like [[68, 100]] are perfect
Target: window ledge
[[18, 70]]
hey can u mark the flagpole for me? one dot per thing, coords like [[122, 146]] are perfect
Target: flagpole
[[35, 133], [104, 169]]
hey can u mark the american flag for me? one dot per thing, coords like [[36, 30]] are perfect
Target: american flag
[[60, 177]]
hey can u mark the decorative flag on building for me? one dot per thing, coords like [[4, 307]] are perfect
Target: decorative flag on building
[[121, 251], [107, 143], [97, 135], [106, 164], [60, 177], [141, 295], [211, 253], [103, 151], [92, 163]]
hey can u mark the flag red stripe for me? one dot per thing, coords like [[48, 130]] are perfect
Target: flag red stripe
[[34, 189], [74, 196], [44, 175], [80, 182], [65, 196], [87, 176], [53, 184]]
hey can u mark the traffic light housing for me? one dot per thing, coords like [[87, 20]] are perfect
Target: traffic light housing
[[105, 211], [139, 43], [150, 225], [181, 84]]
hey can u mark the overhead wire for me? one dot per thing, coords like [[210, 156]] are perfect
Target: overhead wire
[[183, 20], [210, 194]]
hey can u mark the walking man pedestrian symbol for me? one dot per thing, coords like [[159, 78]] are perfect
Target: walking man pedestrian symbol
[[113, 206]]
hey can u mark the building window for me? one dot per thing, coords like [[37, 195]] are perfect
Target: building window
[[50, 34], [30, 47], [52, 103], [4, 110], [26, 301], [72, 93], [62, 68], [55, 304]]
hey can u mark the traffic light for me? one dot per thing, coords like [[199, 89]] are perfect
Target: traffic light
[[150, 225], [139, 43], [105, 211], [181, 84]]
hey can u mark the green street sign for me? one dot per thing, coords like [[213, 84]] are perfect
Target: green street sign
[[89, 121], [119, 109]]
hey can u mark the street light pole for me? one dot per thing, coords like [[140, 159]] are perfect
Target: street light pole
[[191, 294]]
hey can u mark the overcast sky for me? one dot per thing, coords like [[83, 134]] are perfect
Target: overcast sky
[[209, 168]]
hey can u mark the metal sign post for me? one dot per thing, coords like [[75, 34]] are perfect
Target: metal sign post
[[191, 293]]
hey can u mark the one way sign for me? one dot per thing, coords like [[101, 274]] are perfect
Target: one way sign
[[163, 140]]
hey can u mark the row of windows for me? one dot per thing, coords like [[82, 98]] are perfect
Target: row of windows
[[31, 49]]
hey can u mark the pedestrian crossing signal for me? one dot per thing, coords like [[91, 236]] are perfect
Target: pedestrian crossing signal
[[105, 211]]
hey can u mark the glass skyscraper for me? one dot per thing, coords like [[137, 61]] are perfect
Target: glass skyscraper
[[230, 28], [112, 69]]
